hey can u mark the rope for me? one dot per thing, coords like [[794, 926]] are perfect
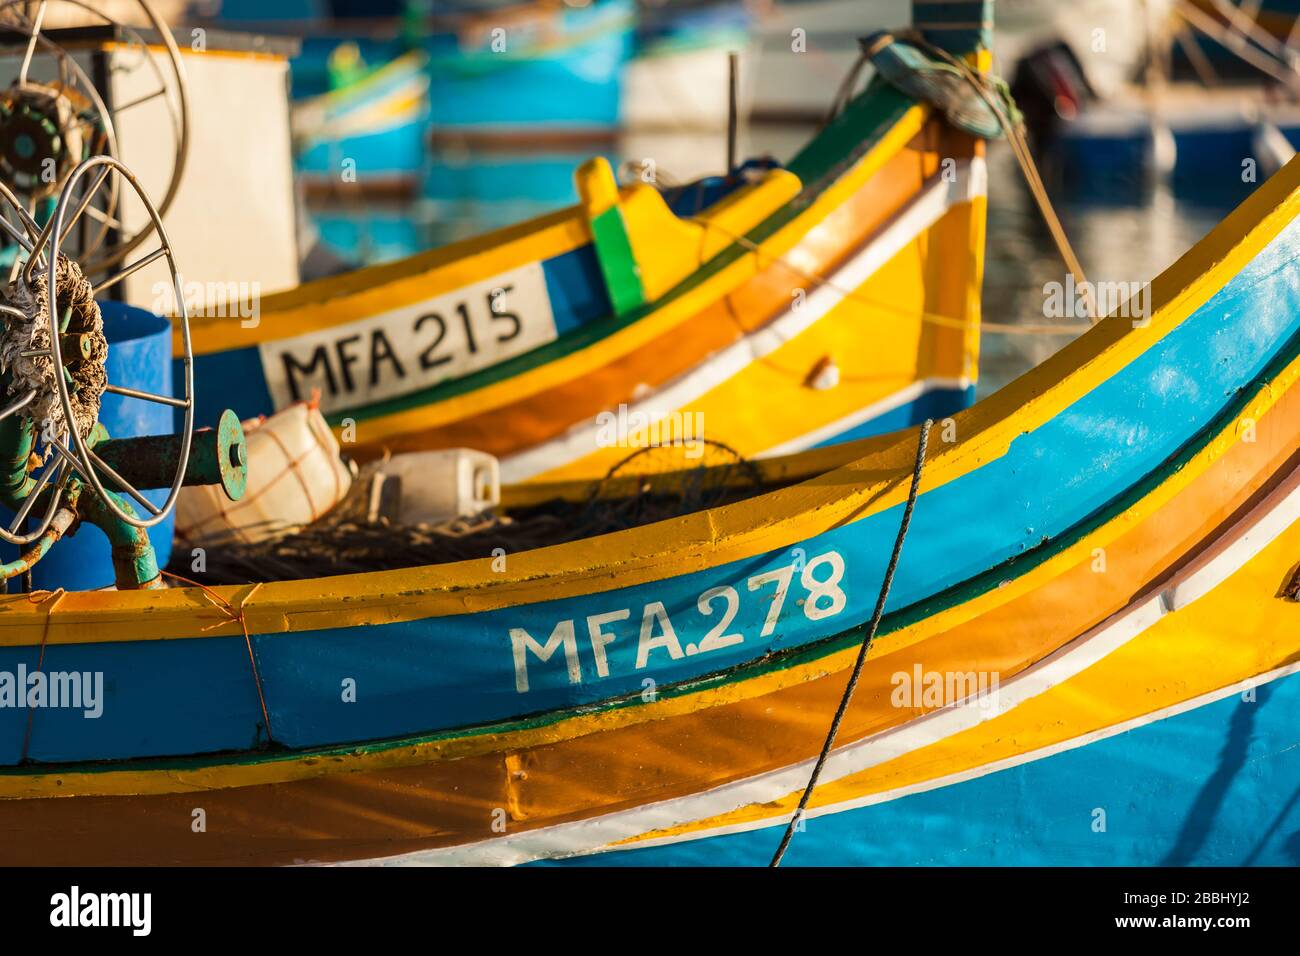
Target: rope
[[1196, 56], [1014, 133], [1028, 170], [844, 94], [80, 315], [40, 597], [867, 640], [1224, 35], [236, 614]]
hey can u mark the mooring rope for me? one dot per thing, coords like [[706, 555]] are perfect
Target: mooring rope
[[1013, 130], [867, 640], [995, 98], [235, 614], [39, 598]]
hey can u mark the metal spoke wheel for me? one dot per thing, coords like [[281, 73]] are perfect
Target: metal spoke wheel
[[46, 254], [48, 127]]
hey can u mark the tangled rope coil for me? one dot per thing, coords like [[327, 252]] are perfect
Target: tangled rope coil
[[30, 333]]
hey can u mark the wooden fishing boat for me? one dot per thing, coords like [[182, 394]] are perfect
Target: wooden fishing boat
[[741, 299], [1104, 553]]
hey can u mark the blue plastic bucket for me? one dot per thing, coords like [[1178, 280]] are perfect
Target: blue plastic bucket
[[139, 356]]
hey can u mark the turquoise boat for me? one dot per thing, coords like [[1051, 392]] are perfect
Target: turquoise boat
[[373, 132], [493, 66]]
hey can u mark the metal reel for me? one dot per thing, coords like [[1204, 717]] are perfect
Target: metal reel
[[69, 450], [82, 456], [48, 128]]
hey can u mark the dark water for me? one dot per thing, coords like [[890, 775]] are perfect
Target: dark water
[[1127, 238], [1128, 235]]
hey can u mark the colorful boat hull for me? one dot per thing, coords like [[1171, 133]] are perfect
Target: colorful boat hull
[[1089, 655], [564, 71], [522, 65], [522, 342], [1163, 447]]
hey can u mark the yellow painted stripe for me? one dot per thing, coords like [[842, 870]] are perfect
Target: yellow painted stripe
[[382, 288], [377, 289], [662, 320], [703, 539]]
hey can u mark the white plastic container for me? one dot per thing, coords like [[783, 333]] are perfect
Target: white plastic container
[[295, 475], [440, 485]]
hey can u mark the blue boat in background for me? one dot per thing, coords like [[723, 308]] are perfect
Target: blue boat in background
[[492, 67], [372, 131], [492, 100]]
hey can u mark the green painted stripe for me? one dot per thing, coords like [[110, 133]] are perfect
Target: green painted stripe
[[617, 261]]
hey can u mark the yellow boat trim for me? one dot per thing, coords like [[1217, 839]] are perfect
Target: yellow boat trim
[[184, 49], [378, 289], [337, 99], [695, 541], [662, 320], [375, 290], [400, 108], [764, 404]]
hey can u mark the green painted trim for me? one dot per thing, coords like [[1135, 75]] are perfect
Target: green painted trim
[[863, 124], [617, 260]]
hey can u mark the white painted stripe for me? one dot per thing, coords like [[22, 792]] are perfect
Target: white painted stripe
[[903, 396], [1007, 763], [1266, 521], [1230, 552], [920, 214]]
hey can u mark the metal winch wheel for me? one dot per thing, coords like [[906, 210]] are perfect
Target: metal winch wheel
[[40, 137], [54, 348], [49, 126]]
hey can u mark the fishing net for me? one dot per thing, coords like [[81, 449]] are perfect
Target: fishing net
[[651, 484]]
